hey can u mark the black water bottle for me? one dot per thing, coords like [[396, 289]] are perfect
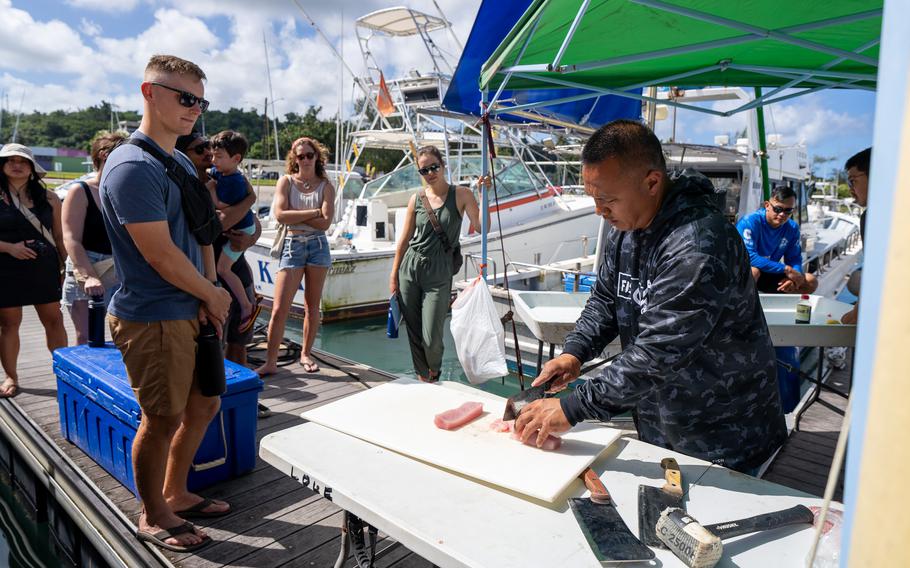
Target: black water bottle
[[96, 313], [210, 362]]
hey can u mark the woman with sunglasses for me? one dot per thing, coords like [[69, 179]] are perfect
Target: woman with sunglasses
[[31, 255], [424, 263], [305, 202], [90, 266]]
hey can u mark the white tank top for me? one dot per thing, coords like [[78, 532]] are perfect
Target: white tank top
[[305, 200]]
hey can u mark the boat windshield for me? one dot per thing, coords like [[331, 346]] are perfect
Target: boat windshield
[[512, 178]]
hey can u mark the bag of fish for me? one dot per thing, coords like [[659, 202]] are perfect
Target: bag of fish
[[478, 333]]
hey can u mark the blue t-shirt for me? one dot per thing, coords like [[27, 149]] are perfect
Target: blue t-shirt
[[232, 189], [767, 245], [136, 189]]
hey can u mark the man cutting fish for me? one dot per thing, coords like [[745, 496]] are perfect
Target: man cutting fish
[[697, 365]]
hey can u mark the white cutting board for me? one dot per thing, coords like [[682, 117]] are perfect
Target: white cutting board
[[399, 416]]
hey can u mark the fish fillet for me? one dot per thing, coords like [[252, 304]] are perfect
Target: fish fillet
[[456, 417]]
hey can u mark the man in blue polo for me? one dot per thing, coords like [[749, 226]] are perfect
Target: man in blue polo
[[772, 241]]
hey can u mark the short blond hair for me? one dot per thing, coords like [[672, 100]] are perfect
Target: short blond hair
[[171, 64]]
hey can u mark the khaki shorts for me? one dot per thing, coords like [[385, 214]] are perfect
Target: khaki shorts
[[160, 359]]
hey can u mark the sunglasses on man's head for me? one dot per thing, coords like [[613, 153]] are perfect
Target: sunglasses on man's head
[[187, 99], [201, 149], [306, 156], [778, 209], [431, 169]]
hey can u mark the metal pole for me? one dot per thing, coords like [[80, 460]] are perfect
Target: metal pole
[[484, 198], [268, 72], [763, 148], [652, 107]]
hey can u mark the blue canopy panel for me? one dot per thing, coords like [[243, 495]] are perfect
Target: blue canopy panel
[[494, 21]]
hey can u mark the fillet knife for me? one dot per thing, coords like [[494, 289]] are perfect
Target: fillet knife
[[516, 402]]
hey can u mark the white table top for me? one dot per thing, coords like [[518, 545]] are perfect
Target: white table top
[[454, 521]]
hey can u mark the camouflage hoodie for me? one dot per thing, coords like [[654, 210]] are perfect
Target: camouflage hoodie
[[697, 363]]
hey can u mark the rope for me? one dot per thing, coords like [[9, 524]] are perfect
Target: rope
[[488, 132]]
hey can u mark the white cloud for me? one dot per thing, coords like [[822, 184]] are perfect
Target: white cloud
[[89, 28], [105, 5], [304, 70]]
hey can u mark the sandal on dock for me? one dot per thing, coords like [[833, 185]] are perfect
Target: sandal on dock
[[246, 324], [158, 538], [198, 511]]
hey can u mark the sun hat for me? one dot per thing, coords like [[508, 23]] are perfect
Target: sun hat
[[22, 151]]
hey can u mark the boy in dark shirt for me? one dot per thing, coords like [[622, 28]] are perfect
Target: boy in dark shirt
[[228, 186]]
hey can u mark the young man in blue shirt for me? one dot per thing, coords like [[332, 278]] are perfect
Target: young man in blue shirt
[[772, 241], [168, 287]]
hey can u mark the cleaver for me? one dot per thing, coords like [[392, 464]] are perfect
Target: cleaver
[[516, 402], [607, 534], [652, 501]]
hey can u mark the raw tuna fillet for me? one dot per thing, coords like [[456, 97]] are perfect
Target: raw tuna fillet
[[551, 443], [451, 419], [499, 425]]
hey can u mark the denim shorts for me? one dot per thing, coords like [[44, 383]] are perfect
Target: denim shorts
[[73, 291], [301, 251]]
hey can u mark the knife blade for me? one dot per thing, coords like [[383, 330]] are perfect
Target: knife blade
[[652, 501], [516, 402], [610, 539]]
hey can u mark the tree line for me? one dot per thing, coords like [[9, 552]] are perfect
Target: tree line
[[75, 129]]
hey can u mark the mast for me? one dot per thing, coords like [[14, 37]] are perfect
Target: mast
[[268, 71]]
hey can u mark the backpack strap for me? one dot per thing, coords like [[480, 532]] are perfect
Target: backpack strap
[[433, 220]]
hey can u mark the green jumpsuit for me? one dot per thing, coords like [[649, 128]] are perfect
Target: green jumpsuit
[[425, 284]]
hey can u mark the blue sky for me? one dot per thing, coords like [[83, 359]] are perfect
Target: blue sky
[[68, 54]]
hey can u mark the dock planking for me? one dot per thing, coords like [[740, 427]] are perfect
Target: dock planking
[[277, 522]]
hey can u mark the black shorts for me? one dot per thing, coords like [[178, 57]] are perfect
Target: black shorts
[[767, 282], [232, 335]]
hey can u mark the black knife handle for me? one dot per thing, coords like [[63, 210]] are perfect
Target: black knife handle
[[797, 515]]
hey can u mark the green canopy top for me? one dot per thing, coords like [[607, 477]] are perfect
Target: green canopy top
[[612, 46]]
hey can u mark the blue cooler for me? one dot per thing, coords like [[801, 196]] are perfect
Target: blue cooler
[[100, 414]]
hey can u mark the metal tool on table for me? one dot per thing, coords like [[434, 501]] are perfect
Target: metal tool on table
[[517, 402], [701, 547], [653, 500], [607, 534]]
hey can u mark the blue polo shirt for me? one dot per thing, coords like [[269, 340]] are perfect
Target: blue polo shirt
[[767, 246], [136, 189]]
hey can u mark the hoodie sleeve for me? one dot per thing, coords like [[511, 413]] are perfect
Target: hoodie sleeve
[[749, 229], [681, 313], [596, 327]]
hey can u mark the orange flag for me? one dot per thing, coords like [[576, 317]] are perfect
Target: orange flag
[[384, 99]]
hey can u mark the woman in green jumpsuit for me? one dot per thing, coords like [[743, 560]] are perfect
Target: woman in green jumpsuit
[[422, 270]]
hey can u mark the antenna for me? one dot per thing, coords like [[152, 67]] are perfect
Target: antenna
[[268, 71]]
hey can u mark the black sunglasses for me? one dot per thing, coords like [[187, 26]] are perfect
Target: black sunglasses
[[187, 99], [202, 148], [431, 169], [778, 209], [306, 155]]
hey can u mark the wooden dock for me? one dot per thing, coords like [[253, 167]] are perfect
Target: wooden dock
[[275, 521]]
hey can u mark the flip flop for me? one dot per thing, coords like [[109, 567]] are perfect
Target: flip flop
[[310, 367], [12, 391], [158, 538], [198, 511]]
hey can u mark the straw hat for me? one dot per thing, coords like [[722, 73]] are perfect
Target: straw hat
[[23, 152]]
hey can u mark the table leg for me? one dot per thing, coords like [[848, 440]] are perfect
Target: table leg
[[539, 355], [816, 388], [345, 543]]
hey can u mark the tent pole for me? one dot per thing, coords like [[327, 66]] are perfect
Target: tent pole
[[763, 148]]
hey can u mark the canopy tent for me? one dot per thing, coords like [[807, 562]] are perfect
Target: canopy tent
[[612, 46], [493, 21]]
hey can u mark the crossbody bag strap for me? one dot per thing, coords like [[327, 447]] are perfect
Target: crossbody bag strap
[[30, 217], [433, 220]]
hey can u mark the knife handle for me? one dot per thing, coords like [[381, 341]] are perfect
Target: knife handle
[[672, 476], [599, 493]]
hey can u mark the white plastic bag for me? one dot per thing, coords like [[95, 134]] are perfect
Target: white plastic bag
[[478, 333]]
